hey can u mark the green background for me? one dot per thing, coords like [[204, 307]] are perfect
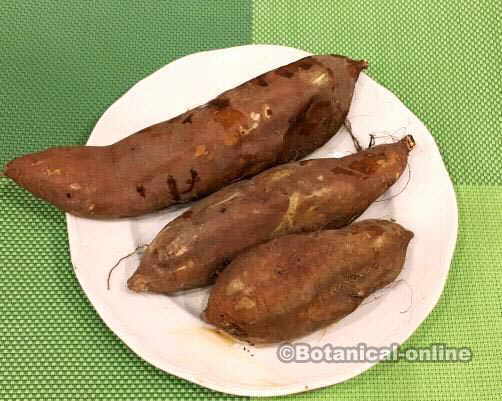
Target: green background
[[63, 63]]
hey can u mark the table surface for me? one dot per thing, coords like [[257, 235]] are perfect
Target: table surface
[[63, 63]]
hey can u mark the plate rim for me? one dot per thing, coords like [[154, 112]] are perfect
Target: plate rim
[[132, 342]]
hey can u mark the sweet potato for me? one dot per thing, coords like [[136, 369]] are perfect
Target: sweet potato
[[295, 197], [293, 285], [280, 116]]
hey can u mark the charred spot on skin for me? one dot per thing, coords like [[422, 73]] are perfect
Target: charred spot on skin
[[133, 148], [173, 188], [187, 214], [285, 72], [267, 111], [223, 210], [140, 189], [68, 195], [194, 177], [243, 130], [219, 103], [260, 81], [187, 119], [214, 275]]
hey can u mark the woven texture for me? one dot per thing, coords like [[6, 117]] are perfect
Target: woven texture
[[468, 315], [63, 63], [444, 60]]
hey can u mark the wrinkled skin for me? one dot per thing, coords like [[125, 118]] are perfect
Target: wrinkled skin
[[296, 284], [296, 197], [280, 116]]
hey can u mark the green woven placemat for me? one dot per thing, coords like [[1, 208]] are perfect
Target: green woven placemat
[[63, 63]]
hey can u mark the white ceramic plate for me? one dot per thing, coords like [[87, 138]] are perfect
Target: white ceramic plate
[[167, 331]]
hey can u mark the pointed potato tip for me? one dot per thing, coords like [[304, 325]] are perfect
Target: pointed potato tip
[[138, 283], [409, 141], [18, 168], [8, 170], [411, 234]]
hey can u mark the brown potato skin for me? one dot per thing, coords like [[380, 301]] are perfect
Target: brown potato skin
[[280, 116], [295, 197], [296, 284]]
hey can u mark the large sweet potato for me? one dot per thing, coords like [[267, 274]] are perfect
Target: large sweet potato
[[277, 117], [299, 196], [293, 285]]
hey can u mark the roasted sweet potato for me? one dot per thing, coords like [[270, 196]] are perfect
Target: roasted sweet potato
[[277, 117], [293, 285], [299, 196]]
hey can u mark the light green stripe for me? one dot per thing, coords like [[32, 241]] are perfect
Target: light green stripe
[[468, 315], [443, 59]]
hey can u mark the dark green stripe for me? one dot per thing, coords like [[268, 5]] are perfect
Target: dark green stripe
[[61, 65], [64, 63]]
